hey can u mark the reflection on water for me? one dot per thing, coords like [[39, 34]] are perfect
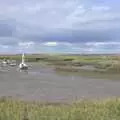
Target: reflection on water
[[24, 71]]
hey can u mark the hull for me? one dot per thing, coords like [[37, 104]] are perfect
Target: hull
[[23, 66], [12, 65]]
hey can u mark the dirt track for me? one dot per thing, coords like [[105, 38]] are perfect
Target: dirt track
[[45, 85]]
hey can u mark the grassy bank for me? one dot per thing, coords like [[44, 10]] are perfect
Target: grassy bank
[[82, 110]]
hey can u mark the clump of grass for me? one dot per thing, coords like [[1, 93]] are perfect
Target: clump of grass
[[115, 67], [82, 110]]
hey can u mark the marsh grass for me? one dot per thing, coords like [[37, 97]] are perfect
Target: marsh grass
[[64, 62], [82, 110]]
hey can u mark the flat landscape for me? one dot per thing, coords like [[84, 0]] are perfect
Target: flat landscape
[[44, 83], [61, 87]]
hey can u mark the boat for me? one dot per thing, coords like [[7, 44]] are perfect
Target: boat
[[12, 63], [4, 62], [23, 65]]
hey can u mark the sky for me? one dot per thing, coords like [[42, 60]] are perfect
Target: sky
[[60, 26]]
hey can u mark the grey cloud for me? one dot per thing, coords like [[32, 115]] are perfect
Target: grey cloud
[[49, 14], [57, 20], [7, 28], [9, 41]]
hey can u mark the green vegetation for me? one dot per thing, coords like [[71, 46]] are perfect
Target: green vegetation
[[100, 63], [82, 110], [65, 62]]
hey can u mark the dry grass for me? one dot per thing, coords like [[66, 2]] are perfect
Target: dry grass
[[82, 110]]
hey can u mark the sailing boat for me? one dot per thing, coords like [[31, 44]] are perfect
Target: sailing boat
[[22, 65]]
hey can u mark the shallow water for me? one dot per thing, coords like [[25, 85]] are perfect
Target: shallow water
[[44, 84]]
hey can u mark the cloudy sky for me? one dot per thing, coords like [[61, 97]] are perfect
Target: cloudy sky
[[60, 26]]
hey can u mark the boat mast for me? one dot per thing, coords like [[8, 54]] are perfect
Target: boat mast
[[23, 58]]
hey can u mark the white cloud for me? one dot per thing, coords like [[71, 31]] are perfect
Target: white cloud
[[102, 43], [48, 18], [65, 43], [95, 17], [52, 15], [50, 44], [101, 8], [26, 44], [32, 9], [62, 47]]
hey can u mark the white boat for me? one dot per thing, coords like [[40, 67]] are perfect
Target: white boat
[[22, 65], [12, 63], [4, 62]]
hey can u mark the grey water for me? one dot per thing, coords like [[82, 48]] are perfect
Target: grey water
[[45, 84]]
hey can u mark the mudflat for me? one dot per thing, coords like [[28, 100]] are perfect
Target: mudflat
[[44, 84]]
